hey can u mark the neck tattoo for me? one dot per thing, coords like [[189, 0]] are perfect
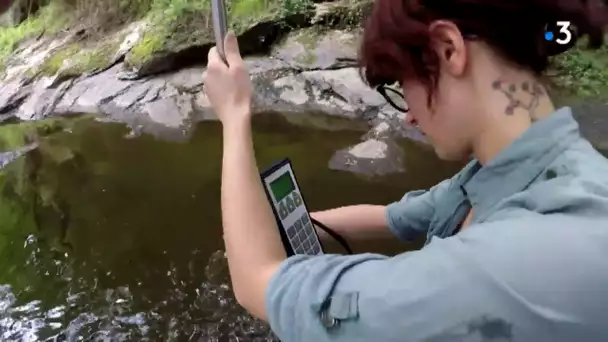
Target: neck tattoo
[[517, 92]]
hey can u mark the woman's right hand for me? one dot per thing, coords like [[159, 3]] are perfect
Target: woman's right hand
[[228, 85]]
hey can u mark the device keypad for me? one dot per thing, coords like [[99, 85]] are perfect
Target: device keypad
[[301, 234], [283, 211]]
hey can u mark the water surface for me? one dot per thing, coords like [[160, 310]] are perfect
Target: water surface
[[119, 239]]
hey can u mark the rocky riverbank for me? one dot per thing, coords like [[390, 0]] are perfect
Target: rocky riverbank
[[299, 64], [309, 66]]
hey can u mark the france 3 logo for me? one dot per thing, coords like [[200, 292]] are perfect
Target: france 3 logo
[[559, 36], [564, 32]]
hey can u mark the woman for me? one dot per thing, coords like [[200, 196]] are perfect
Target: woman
[[516, 241]]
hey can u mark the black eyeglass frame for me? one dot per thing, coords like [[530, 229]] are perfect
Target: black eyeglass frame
[[384, 90]]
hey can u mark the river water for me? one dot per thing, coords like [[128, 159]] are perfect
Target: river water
[[106, 237]]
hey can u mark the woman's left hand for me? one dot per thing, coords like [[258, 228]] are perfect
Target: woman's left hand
[[227, 84]]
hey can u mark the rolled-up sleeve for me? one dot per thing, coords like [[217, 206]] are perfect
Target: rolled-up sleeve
[[537, 278], [412, 215], [371, 297]]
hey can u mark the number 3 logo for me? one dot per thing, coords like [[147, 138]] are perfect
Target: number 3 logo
[[564, 28]]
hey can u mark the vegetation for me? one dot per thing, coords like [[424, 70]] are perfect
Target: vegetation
[[578, 73], [173, 23], [188, 22], [582, 73], [74, 59], [49, 19]]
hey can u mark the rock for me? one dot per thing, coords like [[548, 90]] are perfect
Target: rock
[[311, 49], [190, 41], [134, 33], [171, 112], [187, 79], [346, 86], [89, 94], [175, 99], [35, 106], [266, 66], [340, 13], [337, 92], [12, 94], [133, 95], [32, 54], [293, 89], [371, 157]]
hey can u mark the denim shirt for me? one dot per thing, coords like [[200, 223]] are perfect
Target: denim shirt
[[530, 267]]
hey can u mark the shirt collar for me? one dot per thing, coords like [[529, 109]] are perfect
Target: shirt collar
[[520, 163]]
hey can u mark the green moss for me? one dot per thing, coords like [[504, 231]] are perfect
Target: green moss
[[74, 60], [96, 58], [179, 23], [245, 13], [52, 64], [151, 43]]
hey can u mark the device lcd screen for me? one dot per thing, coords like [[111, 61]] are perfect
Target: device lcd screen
[[282, 186]]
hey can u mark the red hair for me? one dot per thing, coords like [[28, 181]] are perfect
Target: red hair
[[396, 42]]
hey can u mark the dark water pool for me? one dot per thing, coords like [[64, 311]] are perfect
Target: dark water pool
[[105, 238]]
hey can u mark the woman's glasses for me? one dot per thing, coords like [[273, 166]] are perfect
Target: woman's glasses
[[394, 98]]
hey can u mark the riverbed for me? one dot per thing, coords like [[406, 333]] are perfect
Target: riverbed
[[112, 236]]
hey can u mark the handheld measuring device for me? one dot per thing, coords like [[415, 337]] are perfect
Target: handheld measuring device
[[220, 25], [297, 231]]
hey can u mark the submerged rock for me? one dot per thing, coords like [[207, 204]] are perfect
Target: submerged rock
[[370, 157]]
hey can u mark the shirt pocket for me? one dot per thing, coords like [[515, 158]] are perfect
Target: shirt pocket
[[338, 308]]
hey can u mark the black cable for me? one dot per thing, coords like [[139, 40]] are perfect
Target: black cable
[[334, 235]]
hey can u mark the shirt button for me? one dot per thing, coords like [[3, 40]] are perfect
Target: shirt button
[[327, 320]]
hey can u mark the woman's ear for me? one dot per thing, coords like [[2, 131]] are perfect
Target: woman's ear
[[449, 45]]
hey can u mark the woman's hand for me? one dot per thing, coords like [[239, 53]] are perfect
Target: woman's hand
[[227, 84]]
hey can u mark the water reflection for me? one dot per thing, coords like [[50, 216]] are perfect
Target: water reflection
[[113, 239]]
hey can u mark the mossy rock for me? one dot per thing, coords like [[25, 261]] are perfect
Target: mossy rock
[[180, 40], [343, 13], [92, 59], [75, 59], [317, 48]]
